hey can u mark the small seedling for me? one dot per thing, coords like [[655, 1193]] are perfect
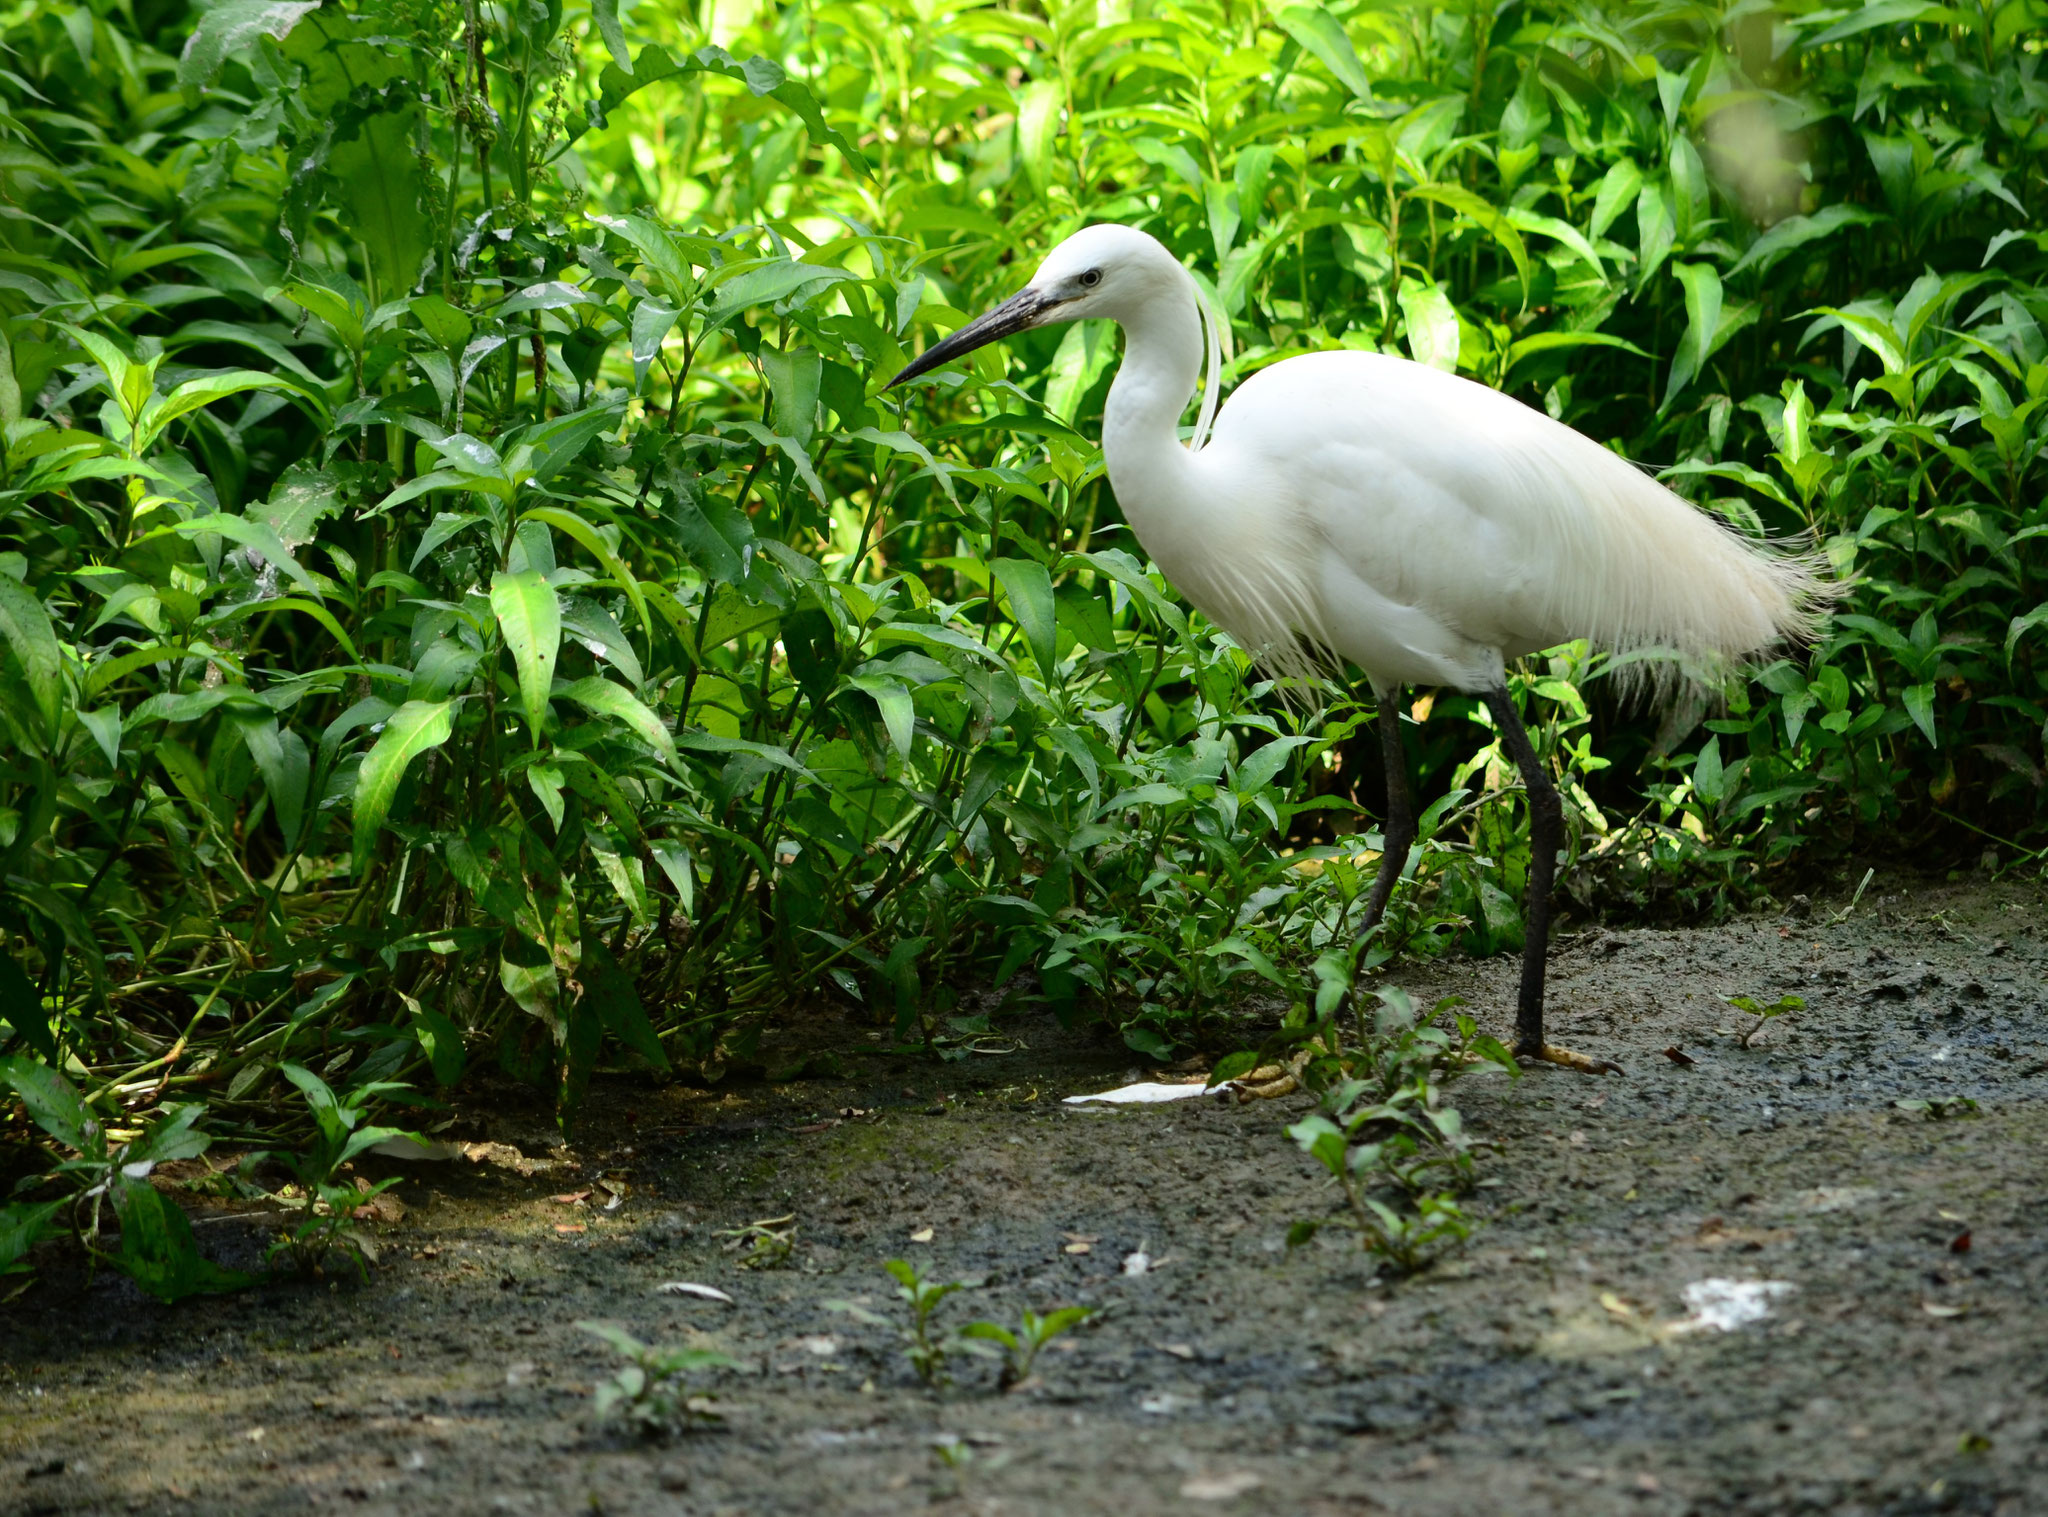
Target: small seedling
[[1763, 1014], [1936, 1108], [651, 1389], [1383, 1119], [327, 1205], [1843, 915], [926, 1349], [766, 1244], [1020, 1347]]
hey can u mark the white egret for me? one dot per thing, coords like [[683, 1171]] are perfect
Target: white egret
[[1359, 506]]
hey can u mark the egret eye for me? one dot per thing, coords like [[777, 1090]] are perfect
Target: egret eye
[[1091, 278]]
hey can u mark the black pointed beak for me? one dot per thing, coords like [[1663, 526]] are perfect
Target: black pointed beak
[[1022, 311]]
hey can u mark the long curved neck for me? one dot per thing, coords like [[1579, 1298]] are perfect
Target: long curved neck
[[1141, 422]]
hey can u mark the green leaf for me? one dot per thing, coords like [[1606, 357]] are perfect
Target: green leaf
[[1550, 342], [449, 326], [26, 626], [762, 76], [439, 1039], [1797, 231], [281, 758], [444, 526], [1708, 775], [1040, 105], [793, 380], [531, 623], [1233, 1066], [599, 695], [251, 534], [1323, 37], [1562, 231], [21, 1004], [1485, 214], [811, 645], [531, 981], [610, 990], [1432, 324], [227, 28], [1029, 589], [1258, 771], [158, 1251], [653, 318], [892, 699], [372, 158], [53, 1103], [605, 14], [1919, 703], [23, 1224], [1256, 957], [1702, 320], [188, 397], [413, 728]]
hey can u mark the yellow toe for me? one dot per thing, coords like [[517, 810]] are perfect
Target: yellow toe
[[1550, 1053]]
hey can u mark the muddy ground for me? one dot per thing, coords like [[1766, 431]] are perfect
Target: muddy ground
[[1534, 1371]]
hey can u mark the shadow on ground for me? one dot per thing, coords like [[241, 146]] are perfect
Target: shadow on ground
[[1906, 1370]]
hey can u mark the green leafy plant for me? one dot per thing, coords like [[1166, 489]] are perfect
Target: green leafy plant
[[327, 1205], [767, 1244], [926, 1347], [463, 594], [1382, 1121], [106, 1168], [1763, 1013], [651, 1391], [1019, 1346]]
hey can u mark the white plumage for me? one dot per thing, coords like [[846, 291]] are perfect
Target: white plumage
[[1358, 506]]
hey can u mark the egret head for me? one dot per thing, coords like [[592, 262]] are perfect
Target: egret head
[[1110, 271]]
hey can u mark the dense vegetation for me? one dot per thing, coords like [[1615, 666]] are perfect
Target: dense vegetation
[[464, 595]]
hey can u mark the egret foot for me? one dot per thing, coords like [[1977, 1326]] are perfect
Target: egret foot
[[1550, 1053], [1269, 1081]]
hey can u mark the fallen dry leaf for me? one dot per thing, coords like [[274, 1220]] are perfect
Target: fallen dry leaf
[[505, 1156], [816, 1127], [566, 1228], [922, 1235], [385, 1208], [1960, 1243], [691, 1288], [1080, 1248], [1680, 1057], [1715, 1233], [571, 1198], [1942, 1309], [1220, 1487], [1178, 1350]]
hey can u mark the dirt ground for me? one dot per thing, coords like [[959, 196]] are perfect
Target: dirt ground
[[1905, 1370]]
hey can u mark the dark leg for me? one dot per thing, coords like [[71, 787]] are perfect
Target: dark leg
[[1398, 828], [1546, 836]]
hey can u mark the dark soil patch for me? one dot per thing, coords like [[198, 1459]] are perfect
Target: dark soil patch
[[1904, 1373]]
